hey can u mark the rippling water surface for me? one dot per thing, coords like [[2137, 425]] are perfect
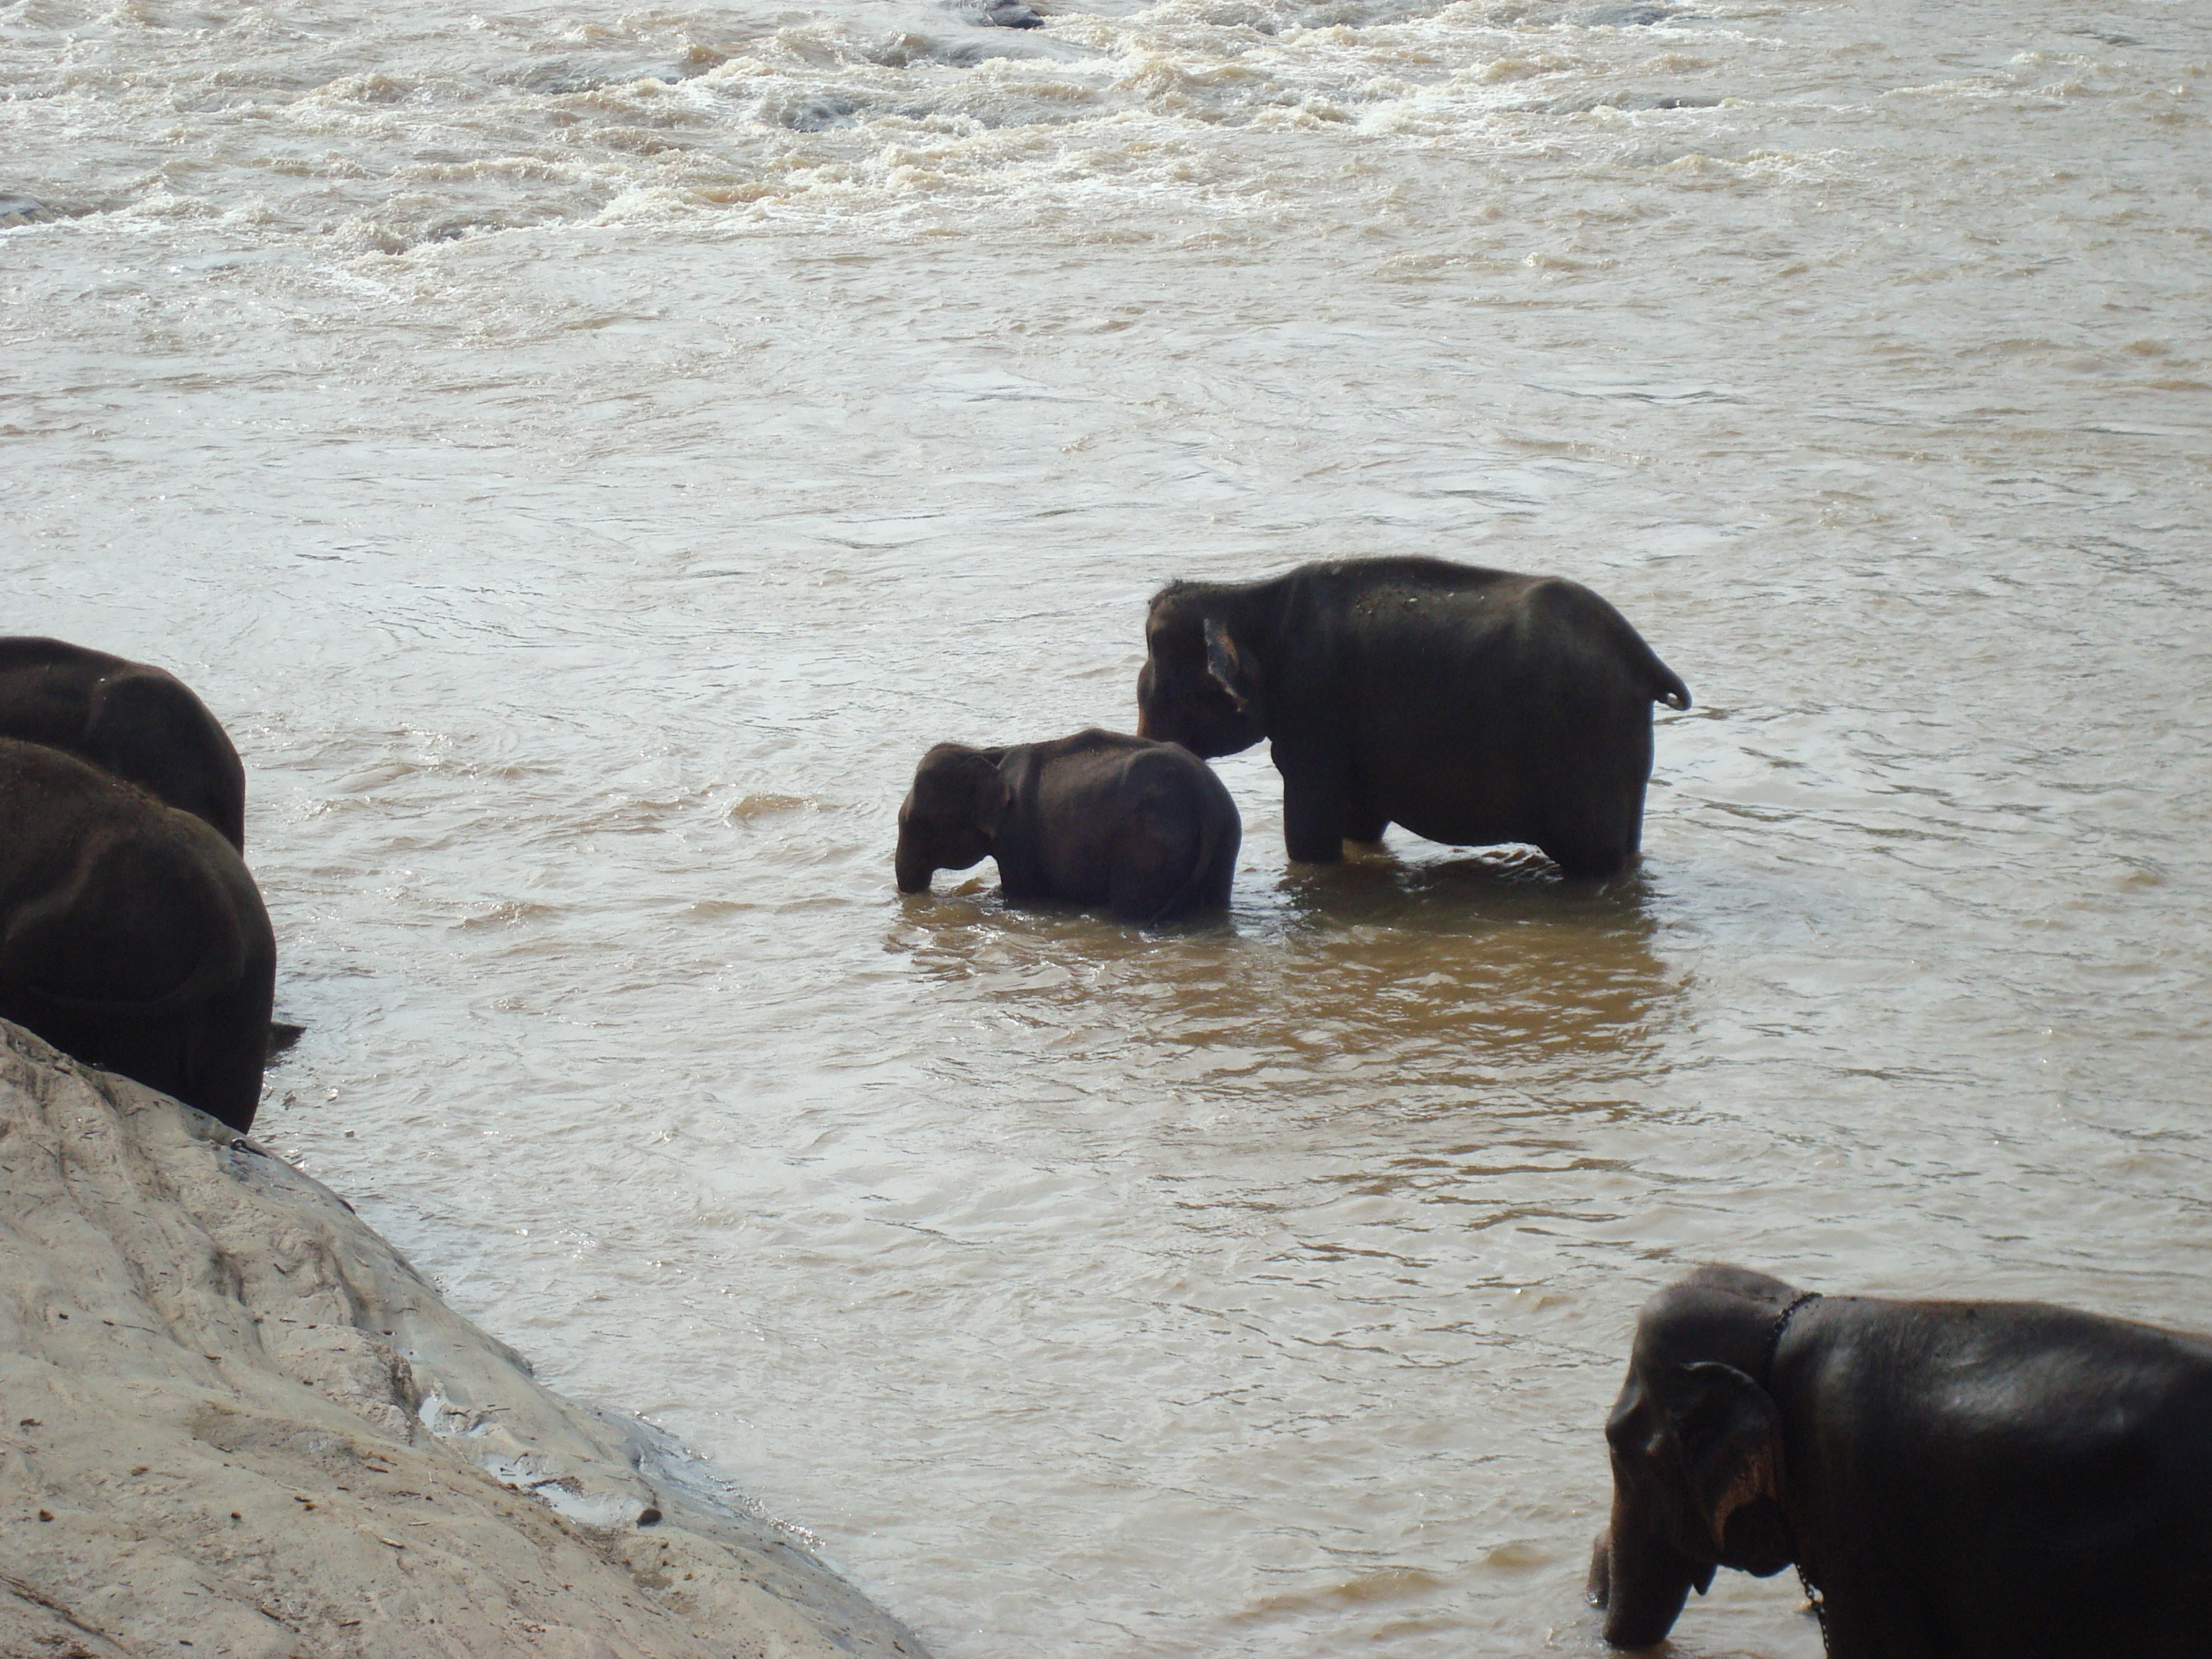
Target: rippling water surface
[[585, 457]]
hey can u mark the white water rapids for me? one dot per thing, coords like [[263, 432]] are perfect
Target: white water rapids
[[586, 458]]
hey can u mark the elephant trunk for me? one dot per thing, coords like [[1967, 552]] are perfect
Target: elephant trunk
[[1641, 1582], [914, 869]]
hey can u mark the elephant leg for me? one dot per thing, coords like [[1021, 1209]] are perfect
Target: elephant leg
[[1602, 842], [1313, 819], [1147, 865], [1593, 816], [1364, 825], [229, 1049], [1587, 859], [1597, 835]]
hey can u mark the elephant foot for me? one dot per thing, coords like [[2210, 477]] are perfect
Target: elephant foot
[[1591, 866]]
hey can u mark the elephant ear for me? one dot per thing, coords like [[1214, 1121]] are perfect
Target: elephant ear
[[988, 793], [1730, 1436], [1230, 667], [956, 785], [993, 798]]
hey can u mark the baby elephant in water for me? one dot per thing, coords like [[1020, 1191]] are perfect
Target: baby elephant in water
[[1144, 829], [1957, 1479]]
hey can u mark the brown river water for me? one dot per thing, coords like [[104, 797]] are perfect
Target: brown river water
[[586, 456]]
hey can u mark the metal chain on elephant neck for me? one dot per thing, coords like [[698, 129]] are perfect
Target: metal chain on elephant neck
[[1812, 1596], [1814, 1599], [1774, 1336]]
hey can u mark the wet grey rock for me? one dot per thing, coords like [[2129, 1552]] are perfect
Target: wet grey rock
[[177, 1299], [21, 211], [1000, 14], [1624, 17], [817, 114]]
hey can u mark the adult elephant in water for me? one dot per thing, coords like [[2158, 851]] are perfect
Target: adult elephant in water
[[131, 935], [1471, 706], [1957, 1479], [140, 723]]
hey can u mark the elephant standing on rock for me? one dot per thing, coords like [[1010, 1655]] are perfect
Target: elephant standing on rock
[[1471, 706], [1144, 829], [131, 935], [141, 724], [1957, 1479]]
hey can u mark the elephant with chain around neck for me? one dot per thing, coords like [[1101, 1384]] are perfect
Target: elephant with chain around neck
[[1957, 1480], [1473, 707]]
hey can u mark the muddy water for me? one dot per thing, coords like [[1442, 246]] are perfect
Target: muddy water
[[586, 458]]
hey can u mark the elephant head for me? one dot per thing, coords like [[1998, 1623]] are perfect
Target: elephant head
[[1200, 686], [1696, 1443], [950, 815]]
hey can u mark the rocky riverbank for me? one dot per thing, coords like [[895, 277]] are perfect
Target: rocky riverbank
[[234, 1421]]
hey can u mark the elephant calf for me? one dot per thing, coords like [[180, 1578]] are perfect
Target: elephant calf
[[141, 724], [1144, 829], [131, 935], [1957, 1479]]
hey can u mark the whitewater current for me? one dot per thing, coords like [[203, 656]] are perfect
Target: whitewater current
[[585, 457]]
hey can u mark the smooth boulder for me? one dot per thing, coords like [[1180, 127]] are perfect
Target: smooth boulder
[[237, 1418]]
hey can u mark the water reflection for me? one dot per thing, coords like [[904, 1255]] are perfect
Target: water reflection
[[1440, 978]]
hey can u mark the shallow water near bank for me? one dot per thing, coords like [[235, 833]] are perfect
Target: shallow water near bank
[[586, 458]]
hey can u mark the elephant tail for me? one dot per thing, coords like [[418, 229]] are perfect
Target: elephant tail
[[1666, 685], [1560, 610]]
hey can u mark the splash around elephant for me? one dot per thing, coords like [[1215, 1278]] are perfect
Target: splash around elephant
[[140, 723], [1957, 1479], [1472, 706], [1144, 830], [131, 935]]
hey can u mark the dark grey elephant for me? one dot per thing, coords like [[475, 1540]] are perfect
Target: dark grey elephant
[[131, 935], [141, 724], [1473, 707], [1958, 1479], [1143, 829]]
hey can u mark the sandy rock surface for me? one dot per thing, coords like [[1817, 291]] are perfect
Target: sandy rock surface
[[234, 1421]]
